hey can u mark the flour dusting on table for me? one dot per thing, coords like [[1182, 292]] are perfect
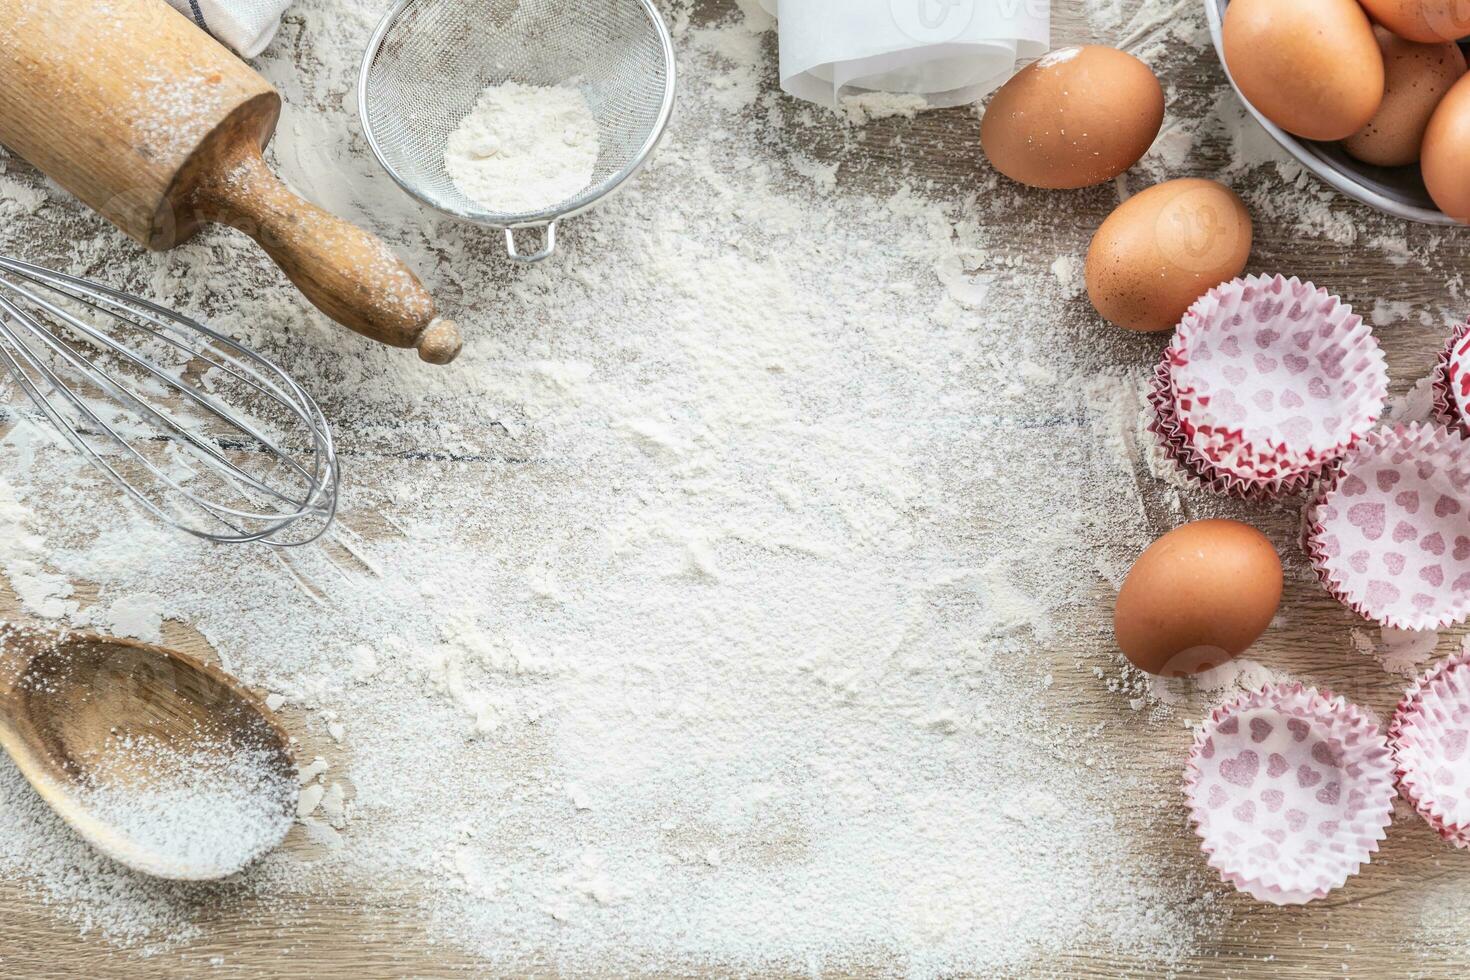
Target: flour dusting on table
[[722, 603]]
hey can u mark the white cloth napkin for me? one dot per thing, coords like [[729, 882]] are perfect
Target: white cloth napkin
[[951, 52], [247, 26]]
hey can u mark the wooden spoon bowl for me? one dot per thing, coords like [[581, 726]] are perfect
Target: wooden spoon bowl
[[161, 762]]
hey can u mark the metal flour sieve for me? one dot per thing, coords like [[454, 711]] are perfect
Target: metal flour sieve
[[429, 60]]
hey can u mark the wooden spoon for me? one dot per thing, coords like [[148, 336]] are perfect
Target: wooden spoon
[[130, 743]]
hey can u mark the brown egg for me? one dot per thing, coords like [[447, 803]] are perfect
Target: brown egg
[[1416, 77], [1199, 596], [1310, 66], [1445, 158], [1163, 248], [1076, 117], [1422, 20]]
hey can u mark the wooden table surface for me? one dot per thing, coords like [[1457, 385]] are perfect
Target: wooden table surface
[[1396, 918]]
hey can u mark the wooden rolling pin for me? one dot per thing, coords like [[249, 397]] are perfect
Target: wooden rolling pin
[[157, 126]]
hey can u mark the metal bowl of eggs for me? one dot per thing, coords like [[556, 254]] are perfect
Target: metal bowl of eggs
[[1398, 191]]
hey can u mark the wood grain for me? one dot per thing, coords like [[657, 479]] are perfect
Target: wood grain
[[1395, 919], [117, 128]]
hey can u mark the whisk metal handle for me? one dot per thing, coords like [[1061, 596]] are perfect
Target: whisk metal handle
[[345, 272], [547, 249]]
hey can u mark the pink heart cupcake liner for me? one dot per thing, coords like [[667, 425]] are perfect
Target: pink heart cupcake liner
[[1389, 531], [1452, 382], [1290, 792], [1176, 445], [1269, 381], [1429, 736]]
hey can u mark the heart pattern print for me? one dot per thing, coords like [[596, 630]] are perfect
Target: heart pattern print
[[1389, 533], [1290, 792], [1430, 736], [1452, 382], [1266, 382], [1179, 449]]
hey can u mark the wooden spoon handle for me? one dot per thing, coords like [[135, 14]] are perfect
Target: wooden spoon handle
[[347, 273]]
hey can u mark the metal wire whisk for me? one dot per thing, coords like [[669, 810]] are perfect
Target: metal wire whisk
[[201, 431]]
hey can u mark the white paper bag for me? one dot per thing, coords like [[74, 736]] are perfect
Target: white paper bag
[[951, 52]]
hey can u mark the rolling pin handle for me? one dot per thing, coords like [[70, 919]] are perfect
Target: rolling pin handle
[[440, 342], [347, 273]]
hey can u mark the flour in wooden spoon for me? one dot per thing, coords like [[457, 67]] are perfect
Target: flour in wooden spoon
[[201, 811], [524, 148]]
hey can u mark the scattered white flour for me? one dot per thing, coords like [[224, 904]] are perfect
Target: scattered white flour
[[42, 593], [171, 115], [524, 148], [822, 175], [20, 198], [861, 108], [1218, 685], [136, 616], [1069, 272], [720, 608], [1403, 652], [1174, 144], [1389, 313]]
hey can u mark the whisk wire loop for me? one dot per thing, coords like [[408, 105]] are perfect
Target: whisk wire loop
[[216, 467]]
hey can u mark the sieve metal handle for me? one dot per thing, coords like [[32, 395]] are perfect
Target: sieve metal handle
[[545, 253]]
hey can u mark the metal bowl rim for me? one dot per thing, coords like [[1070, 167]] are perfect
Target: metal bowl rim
[[1311, 158]]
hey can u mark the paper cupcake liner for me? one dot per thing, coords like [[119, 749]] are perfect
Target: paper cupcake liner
[[1202, 472], [1274, 376], [1430, 737], [1290, 792], [1389, 531], [1452, 382], [1211, 457]]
